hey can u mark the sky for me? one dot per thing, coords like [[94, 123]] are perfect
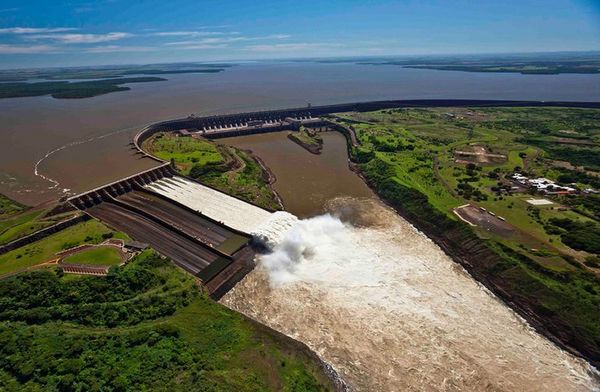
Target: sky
[[37, 33]]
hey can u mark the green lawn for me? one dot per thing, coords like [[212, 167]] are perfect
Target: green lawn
[[9, 207], [226, 168], [104, 255], [45, 249], [24, 224], [186, 151]]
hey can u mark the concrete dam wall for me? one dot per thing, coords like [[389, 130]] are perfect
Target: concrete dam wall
[[206, 235], [227, 125]]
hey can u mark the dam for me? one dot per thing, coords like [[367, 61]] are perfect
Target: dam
[[357, 292], [205, 232], [229, 125]]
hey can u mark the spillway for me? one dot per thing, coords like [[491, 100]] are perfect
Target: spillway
[[169, 220], [232, 212]]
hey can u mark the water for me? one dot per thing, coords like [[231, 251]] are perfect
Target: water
[[305, 181], [32, 127], [216, 205], [391, 312], [376, 299]]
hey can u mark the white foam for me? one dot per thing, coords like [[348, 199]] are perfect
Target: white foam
[[217, 205], [390, 311], [272, 231]]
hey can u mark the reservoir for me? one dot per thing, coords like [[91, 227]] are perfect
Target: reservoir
[[83, 143]]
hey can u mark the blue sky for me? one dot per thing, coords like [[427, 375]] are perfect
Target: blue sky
[[56, 33]]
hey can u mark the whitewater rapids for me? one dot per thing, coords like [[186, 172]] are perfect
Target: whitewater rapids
[[390, 311]]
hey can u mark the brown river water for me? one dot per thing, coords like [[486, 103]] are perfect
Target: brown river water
[[305, 181], [379, 301], [91, 135]]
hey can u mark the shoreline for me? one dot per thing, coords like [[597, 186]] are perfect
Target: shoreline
[[268, 175], [467, 257], [313, 149]]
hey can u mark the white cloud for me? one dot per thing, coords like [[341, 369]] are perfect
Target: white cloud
[[34, 30], [117, 48], [81, 38], [22, 49], [202, 46], [187, 33], [301, 46], [225, 40]]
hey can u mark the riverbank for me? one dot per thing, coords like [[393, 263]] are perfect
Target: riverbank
[[481, 262], [307, 139], [566, 315], [234, 171]]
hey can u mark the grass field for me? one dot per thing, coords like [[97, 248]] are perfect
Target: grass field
[[27, 222], [144, 327], [9, 207], [419, 144], [226, 168], [45, 249], [103, 255], [186, 151]]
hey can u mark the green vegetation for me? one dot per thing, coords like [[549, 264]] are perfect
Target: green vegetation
[[228, 169], [533, 68], [185, 151], [408, 156], [573, 176], [70, 89], [419, 146], [579, 235], [9, 207], [309, 139], [540, 64], [29, 221], [45, 249], [102, 255], [143, 327], [108, 72]]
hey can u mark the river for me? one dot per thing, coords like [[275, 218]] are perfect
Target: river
[[379, 301], [91, 135], [318, 175], [365, 290]]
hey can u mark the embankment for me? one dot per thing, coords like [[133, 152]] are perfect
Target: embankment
[[511, 276], [314, 147]]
